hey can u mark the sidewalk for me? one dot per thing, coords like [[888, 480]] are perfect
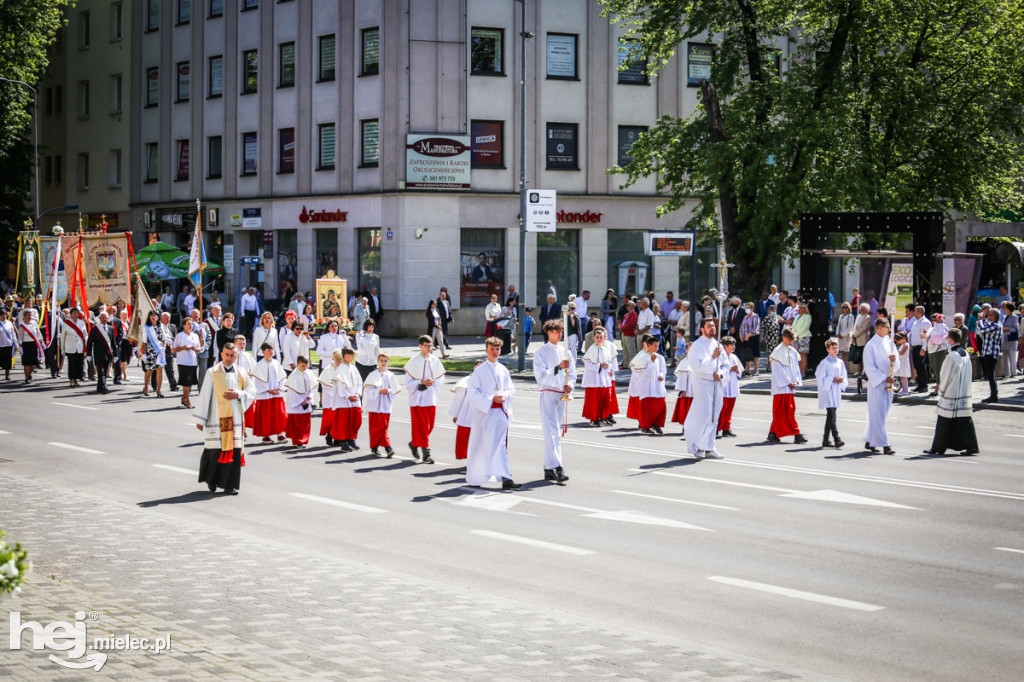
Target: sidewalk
[[238, 607]]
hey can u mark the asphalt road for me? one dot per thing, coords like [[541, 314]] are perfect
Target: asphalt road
[[861, 567]]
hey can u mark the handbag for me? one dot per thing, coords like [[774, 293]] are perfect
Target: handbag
[[856, 354]]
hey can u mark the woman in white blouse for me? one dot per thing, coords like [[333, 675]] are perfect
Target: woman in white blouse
[[492, 312], [186, 347], [844, 325], [367, 349], [266, 333]]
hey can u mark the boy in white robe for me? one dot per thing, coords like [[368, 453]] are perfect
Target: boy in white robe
[[461, 412], [554, 369], [348, 410], [786, 377], [600, 363], [270, 418], [298, 401], [651, 383], [424, 376], [881, 361], [730, 388], [329, 394], [379, 392], [708, 367], [684, 395], [490, 392], [832, 380]]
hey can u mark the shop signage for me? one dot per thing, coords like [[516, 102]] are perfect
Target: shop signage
[[322, 216], [668, 243], [436, 162], [252, 217], [540, 210], [236, 220]]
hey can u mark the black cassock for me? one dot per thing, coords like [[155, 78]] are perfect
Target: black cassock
[[954, 434], [220, 475]]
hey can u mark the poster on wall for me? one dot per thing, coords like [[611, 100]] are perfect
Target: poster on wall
[[699, 57], [437, 162], [483, 274], [561, 56], [899, 289], [487, 142]]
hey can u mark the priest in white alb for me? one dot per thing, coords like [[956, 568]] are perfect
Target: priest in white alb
[[554, 368], [954, 429], [708, 365], [881, 360], [490, 392], [219, 413]]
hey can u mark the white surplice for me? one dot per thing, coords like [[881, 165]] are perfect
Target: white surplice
[[551, 380], [348, 383], [375, 401], [299, 390], [683, 378], [877, 367], [785, 364], [593, 375], [268, 376], [830, 393], [205, 410], [417, 370], [706, 373], [955, 385], [488, 437], [651, 377], [461, 409]]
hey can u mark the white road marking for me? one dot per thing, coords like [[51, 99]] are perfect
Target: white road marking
[[627, 516], [339, 503], [1014, 435], [76, 448], [1009, 549], [81, 407], [751, 419], [5, 433], [180, 470], [533, 543], [796, 594], [718, 480], [672, 499], [490, 501]]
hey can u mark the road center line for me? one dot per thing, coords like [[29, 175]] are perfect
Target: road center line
[[339, 503], [717, 480], [180, 470], [796, 594], [80, 407], [1014, 435], [533, 543], [76, 448], [5, 433], [1009, 549], [672, 499]]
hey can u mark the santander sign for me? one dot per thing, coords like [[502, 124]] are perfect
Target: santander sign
[[322, 216]]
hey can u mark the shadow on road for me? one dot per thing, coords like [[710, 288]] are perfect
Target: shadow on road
[[194, 496], [944, 456], [440, 472], [394, 466]]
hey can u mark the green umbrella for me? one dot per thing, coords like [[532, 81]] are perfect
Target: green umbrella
[[161, 261]]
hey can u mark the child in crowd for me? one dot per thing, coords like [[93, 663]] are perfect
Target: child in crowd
[[329, 395], [380, 389], [298, 401], [906, 363], [348, 411], [832, 381], [730, 388], [685, 397], [270, 418], [651, 385]]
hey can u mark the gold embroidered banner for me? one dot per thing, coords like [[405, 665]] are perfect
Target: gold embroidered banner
[[105, 263]]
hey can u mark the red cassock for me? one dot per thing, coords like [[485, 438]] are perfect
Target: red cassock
[[271, 418], [652, 412], [422, 425], [725, 417], [462, 442], [298, 428], [784, 416], [613, 401], [595, 403], [326, 420], [633, 407], [250, 416], [347, 421], [379, 422], [682, 407]]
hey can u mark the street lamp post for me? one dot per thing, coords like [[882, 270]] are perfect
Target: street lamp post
[[35, 140], [520, 308]]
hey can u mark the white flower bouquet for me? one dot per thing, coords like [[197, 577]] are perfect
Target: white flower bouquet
[[14, 564]]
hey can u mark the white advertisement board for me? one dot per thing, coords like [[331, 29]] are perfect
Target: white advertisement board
[[541, 215], [437, 161]]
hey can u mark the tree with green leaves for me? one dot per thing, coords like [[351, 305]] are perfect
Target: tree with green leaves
[[878, 106]]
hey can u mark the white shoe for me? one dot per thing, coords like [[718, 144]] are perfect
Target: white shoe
[[714, 454], [699, 454]]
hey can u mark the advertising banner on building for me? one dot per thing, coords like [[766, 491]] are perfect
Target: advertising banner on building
[[105, 261], [699, 58], [899, 289], [47, 255], [437, 162], [483, 274]]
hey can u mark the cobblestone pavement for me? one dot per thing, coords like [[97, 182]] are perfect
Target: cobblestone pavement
[[241, 608]]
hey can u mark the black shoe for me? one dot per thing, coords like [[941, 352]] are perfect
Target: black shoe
[[375, 452], [647, 431], [415, 452], [344, 445], [329, 440], [594, 422], [991, 399], [352, 444], [826, 444], [550, 475], [230, 491], [772, 438], [509, 484], [888, 451], [867, 446], [839, 444], [920, 390], [560, 473], [610, 421], [728, 434], [932, 452], [102, 391], [117, 382], [799, 439], [212, 487], [390, 452], [657, 430], [427, 459], [966, 453]]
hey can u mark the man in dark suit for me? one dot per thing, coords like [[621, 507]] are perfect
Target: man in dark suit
[[100, 347], [376, 308], [734, 317], [444, 308], [550, 311]]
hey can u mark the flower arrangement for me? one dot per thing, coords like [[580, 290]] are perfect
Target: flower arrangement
[[14, 564], [345, 325]]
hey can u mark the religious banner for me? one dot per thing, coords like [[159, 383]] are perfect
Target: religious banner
[[105, 262], [143, 304], [331, 297], [28, 261], [47, 255]]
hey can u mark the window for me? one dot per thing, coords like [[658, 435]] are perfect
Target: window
[[326, 251], [152, 162], [115, 168], [58, 169], [184, 85], [486, 51], [152, 15], [627, 136], [58, 99], [488, 144], [482, 261], [152, 86], [563, 59], [249, 153], [182, 157], [216, 8], [83, 30], [287, 259], [286, 150], [561, 146], [632, 63], [83, 99], [48, 107], [213, 155], [558, 264], [287, 58], [699, 58], [250, 71], [116, 93], [326, 72], [625, 246], [184, 11], [326, 146], [370, 146], [116, 22], [249, 4], [369, 258], [371, 51], [48, 170], [216, 76], [83, 172]]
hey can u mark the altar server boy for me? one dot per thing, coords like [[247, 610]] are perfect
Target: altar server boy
[[730, 388], [832, 381], [379, 392], [298, 401]]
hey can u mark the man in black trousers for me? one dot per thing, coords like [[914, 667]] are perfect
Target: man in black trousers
[[444, 307], [100, 347], [550, 311]]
